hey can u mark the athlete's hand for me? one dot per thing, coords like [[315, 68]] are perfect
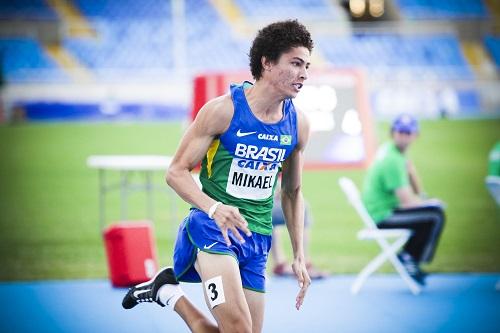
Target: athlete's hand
[[229, 218], [300, 270]]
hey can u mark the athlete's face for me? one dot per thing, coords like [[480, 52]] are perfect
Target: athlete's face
[[288, 74]]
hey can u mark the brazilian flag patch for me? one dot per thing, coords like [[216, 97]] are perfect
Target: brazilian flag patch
[[285, 140]]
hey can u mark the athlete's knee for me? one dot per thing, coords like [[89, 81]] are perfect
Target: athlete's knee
[[237, 322], [240, 326]]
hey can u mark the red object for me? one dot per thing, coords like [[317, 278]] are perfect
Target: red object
[[210, 85], [348, 83], [131, 252]]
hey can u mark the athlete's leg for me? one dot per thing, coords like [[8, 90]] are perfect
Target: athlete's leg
[[165, 290], [256, 303], [233, 314], [193, 317]]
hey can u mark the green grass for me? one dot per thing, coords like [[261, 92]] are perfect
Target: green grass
[[49, 213]]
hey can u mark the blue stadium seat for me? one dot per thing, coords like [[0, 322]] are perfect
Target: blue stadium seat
[[423, 56], [24, 60], [493, 46], [442, 9], [136, 45], [300, 9], [26, 9], [135, 38], [212, 44], [123, 9]]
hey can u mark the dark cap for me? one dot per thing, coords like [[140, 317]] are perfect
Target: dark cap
[[405, 123]]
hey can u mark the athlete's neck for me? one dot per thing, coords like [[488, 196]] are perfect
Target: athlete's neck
[[264, 103]]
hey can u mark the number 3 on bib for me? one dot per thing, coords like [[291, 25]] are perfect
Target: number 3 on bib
[[215, 291]]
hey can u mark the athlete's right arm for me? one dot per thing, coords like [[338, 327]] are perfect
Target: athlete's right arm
[[213, 119]]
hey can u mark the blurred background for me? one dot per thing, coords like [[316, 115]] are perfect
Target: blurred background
[[89, 77]]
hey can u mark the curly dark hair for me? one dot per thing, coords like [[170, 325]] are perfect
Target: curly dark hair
[[274, 40]]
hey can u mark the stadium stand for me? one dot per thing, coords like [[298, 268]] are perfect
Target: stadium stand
[[442, 9], [26, 9], [121, 48], [301, 9], [436, 56], [136, 41], [203, 29], [124, 9], [493, 45], [24, 60]]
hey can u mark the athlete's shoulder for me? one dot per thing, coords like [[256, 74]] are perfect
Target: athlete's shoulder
[[219, 107], [303, 127], [216, 113]]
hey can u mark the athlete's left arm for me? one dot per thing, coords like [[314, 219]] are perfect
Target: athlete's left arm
[[293, 205]]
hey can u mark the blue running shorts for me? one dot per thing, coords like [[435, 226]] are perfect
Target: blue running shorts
[[198, 232]]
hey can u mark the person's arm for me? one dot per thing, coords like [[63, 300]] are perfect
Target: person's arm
[[413, 195], [415, 182], [407, 198], [293, 206], [212, 120]]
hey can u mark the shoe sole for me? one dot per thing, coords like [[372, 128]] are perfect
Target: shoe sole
[[166, 273]]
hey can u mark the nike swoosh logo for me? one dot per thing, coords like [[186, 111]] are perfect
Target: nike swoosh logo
[[138, 292], [209, 246], [240, 133]]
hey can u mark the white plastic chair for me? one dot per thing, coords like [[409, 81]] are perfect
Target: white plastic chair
[[493, 185], [382, 237]]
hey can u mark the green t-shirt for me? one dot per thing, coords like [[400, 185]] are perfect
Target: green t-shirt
[[494, 161], [387, 173]]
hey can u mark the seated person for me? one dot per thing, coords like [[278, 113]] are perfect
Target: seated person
[[493, 178], [393, 196], [281, 266]]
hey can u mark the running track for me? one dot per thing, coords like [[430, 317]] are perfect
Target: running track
[[449, 303]]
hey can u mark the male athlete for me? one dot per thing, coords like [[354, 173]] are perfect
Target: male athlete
[[244, 139]]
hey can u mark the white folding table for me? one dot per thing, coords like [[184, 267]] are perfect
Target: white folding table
[[126, 165]]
